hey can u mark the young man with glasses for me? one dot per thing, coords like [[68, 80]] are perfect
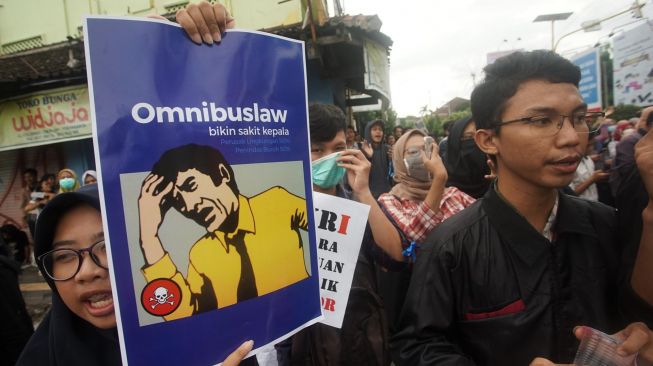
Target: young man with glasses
[[509, 278]]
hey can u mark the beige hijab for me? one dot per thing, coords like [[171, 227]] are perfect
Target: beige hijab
[[407, 187]]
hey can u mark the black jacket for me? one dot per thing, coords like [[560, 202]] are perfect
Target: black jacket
[[15, 323], [489, 289]]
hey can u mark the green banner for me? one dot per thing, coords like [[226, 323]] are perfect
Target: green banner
[[45, 118]]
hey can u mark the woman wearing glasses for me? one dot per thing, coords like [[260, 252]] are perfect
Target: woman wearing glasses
[[80, 328], [416, 204]]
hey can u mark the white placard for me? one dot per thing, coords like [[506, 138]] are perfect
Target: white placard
[[339, 226]]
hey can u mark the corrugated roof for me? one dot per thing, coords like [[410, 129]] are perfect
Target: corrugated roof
[[44, 62]]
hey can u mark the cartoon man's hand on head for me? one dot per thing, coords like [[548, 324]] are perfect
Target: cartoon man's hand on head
[[150, 213]]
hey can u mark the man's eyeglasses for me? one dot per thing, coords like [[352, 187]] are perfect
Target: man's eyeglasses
[[63, 264], [549, 125]]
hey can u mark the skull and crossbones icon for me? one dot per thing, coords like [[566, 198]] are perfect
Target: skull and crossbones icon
[[161, 296]]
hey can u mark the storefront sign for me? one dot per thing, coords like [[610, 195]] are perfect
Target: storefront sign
[[45, 118]]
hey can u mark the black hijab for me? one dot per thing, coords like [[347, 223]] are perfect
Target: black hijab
[[63, 338], [466, 163]]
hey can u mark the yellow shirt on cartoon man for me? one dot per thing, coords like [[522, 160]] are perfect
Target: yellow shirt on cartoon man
[[270, 222]]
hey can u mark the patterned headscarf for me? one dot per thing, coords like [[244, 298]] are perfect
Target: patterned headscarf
[[72, 172]]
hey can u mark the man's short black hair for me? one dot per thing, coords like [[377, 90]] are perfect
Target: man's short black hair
[[47, 176], [503, 77], [325, 121], [205, 159], [30, 171]]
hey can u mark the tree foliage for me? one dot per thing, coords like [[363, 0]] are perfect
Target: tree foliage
[[625, 111], [389, 117]]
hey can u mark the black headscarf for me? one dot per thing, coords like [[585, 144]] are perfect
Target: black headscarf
[[466, 163], [63, 338]]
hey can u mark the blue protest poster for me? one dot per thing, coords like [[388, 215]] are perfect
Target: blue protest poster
[[204, 171]]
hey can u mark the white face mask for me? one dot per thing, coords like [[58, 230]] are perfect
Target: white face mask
[[416, 168]]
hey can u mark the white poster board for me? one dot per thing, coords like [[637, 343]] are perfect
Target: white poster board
[[339, 227]]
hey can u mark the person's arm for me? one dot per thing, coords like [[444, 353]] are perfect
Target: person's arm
[[636, 337], [151, 217], [439, 175], [428, 312], [40, 203], [597, 176], [384, 233], [32, 205], [643, 269], [646, 352], [25, 197], [158, 263]]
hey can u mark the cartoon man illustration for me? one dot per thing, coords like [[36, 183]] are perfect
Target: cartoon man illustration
[[252, 245]]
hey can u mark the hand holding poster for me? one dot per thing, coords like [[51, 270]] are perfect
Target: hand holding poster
[[204, 177], [340, 225]]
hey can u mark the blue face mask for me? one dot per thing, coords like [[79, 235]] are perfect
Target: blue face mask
[[66, 183], [326, 172]]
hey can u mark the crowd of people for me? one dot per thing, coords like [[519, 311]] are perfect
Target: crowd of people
[[487, 248], [36, 193]]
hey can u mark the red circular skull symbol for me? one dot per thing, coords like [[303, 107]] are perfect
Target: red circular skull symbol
[[161, 297]]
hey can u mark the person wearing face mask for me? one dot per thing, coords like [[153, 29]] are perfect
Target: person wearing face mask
[[417, 204], [419, 201], [466, 164], [67, 180], [363, 338]]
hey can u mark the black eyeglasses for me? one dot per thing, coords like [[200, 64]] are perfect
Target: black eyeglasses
[[63, 264], [549, 125]]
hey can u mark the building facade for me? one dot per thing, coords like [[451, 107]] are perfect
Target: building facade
[[45, 119]]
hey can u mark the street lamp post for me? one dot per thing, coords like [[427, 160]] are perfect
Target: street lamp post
[[552, 18], [593, 25]]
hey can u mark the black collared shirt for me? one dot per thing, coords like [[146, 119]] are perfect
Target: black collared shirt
[[489, 289]]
